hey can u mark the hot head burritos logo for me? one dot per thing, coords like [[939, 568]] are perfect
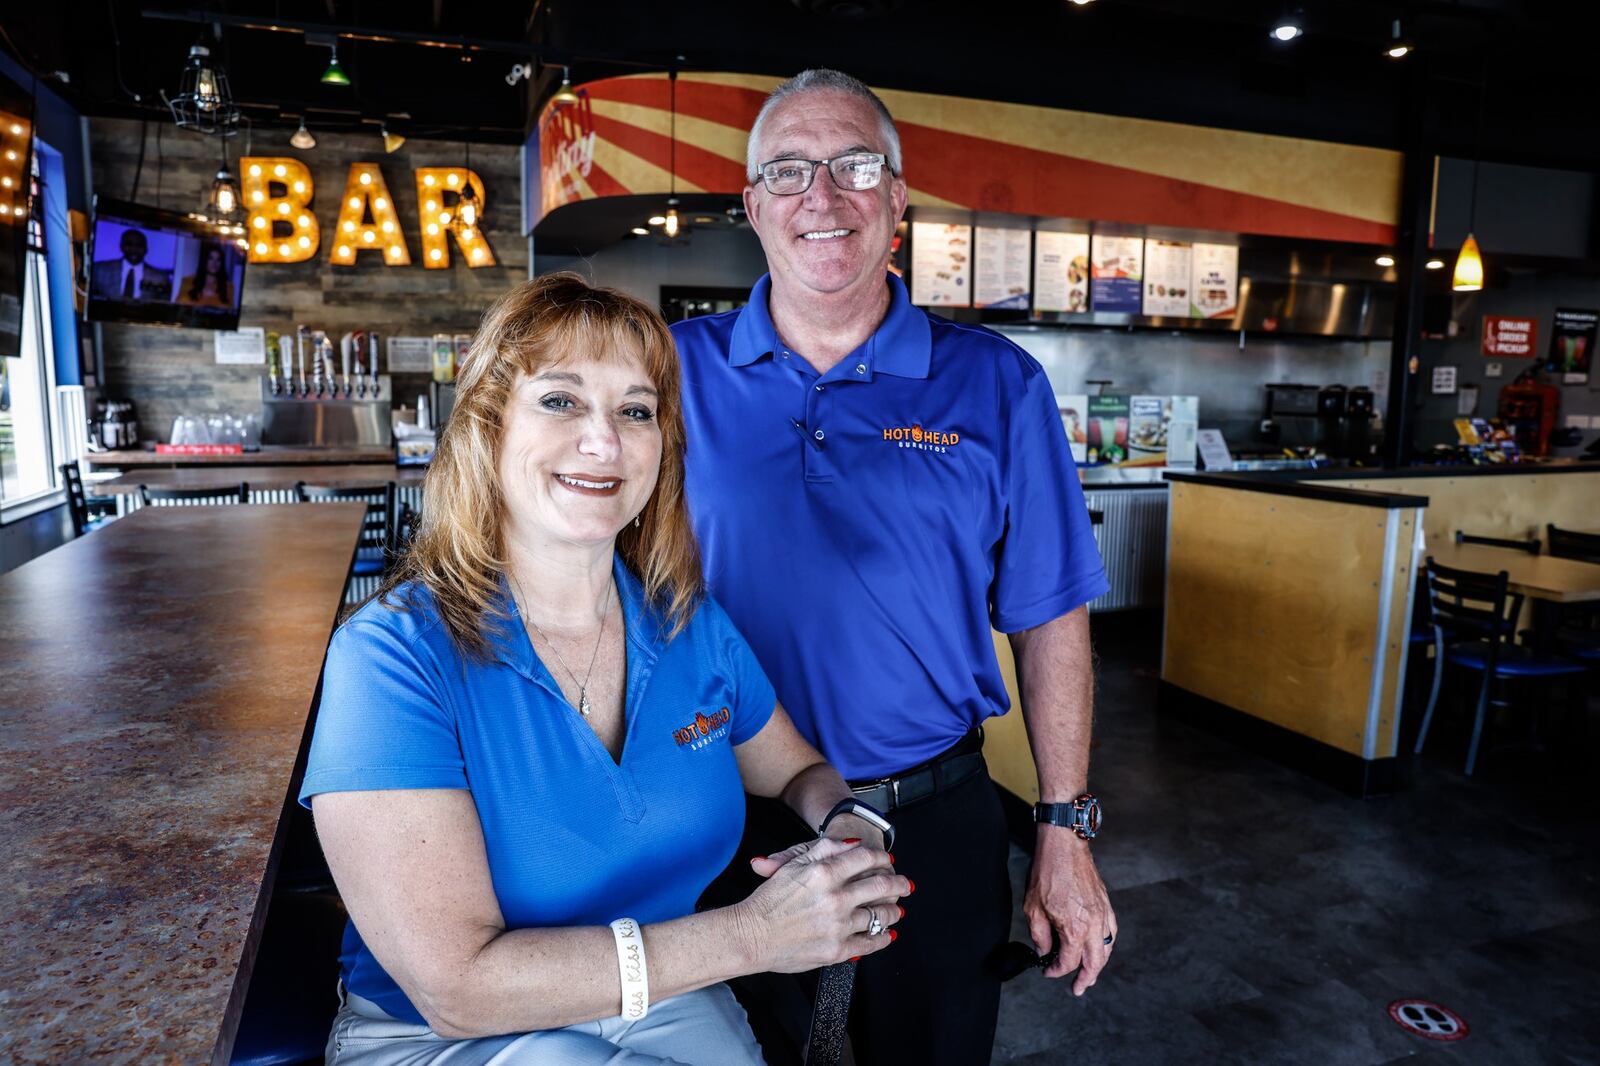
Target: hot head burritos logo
[[921, 438]]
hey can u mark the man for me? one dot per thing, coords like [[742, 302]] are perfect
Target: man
[[131, 278], [872, 487]]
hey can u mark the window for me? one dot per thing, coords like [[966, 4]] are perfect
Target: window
[[27, 430]]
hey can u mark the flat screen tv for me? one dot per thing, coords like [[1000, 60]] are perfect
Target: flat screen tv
[[161, 268], [16, 169]]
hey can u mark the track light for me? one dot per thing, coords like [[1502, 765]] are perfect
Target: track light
[[302, 137], [1399, 47]]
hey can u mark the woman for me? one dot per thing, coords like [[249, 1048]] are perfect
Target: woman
[[209, 286], [542, 726]]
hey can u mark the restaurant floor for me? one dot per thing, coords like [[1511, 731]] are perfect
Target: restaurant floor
[[1268, 918]]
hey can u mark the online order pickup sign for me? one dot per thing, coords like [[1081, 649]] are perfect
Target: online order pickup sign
[[1515, 338]]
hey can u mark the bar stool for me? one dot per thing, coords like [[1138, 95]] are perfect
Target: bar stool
[[373, 558], [79, 504], [219, 497], [1474, 618]]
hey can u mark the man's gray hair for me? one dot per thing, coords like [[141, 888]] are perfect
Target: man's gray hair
[[821, 79]]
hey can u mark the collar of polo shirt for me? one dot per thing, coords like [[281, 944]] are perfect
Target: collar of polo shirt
[[902, 344]]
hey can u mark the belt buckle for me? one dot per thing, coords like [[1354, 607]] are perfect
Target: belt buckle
[[894, 790]]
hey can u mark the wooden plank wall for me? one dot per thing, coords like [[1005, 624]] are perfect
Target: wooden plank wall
[[167, 371], [1496, 505]]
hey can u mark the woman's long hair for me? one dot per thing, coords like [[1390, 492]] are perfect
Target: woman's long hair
[[459, 551], [197, 284]]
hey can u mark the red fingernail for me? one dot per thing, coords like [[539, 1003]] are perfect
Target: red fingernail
[[851, 840], [891, 858], [753, 858], [911, 886], [893, 936], [902, 912], [855, 958]]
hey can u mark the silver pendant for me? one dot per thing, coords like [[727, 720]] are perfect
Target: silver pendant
[[583, 703]]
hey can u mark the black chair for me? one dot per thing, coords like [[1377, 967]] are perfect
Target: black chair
[[1570, 544], [79, 504], [292, 998], [194, 497], [1473, 616], [373, 556], [1529, 545], [404, 521]]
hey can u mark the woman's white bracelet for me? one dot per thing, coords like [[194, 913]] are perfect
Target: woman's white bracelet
[[631, 965]]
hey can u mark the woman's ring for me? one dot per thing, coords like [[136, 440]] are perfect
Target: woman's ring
[[1109, 938], [875, 926]]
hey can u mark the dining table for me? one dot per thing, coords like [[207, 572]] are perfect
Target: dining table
[[155, 698]]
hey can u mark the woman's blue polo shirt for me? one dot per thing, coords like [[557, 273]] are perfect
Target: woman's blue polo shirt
[[573, 837]]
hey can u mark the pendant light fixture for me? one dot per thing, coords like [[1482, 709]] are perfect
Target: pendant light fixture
[[204, 102], [565, 95], [334, 74], [391, 141], [1399, 46], [671, 227], [302, 137], [465, 216], [1468, 276], [1287, 28]]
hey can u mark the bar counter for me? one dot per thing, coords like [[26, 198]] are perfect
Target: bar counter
[[262, 478], [158, 684], [269, 455]]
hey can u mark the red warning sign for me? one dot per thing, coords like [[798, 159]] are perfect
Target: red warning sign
[[1513, 338], [1425, 1018]]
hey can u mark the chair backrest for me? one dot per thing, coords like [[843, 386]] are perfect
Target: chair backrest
[[1468, 605], [194, 497], [403, 522], [77, 499], [379, 499], [1570, 544], [1529, 545]]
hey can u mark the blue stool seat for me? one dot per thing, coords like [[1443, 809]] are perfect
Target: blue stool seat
[[1514, 661], [369, 561], [1421, 636]]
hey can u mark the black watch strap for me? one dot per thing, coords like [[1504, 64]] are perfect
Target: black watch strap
[[1081, 815], [867, 813]]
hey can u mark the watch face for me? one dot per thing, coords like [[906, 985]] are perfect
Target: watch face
[[1091, 816]]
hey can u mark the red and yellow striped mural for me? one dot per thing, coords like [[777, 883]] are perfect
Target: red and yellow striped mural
[[985, 156]]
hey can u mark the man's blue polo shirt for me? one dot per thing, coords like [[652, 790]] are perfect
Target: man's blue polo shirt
[[573, 838], [865, 527]]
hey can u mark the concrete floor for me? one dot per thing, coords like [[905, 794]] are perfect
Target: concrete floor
[[1267, 918]]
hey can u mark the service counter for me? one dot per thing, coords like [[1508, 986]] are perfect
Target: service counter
[[268, 455], [1289, 596]]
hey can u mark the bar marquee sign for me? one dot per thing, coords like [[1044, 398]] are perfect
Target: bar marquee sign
[[281, 228]]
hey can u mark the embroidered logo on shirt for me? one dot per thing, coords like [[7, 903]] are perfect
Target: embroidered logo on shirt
[[926, 440], [703, 730]]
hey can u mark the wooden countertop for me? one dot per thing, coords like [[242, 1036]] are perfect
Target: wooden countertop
[[158, 680], [270, 455], [1541, 577], [259, 477]]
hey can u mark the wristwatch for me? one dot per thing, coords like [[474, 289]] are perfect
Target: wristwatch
[[867, 814], [1082, 815]]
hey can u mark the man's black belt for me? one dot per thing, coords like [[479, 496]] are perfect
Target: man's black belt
[[963, 760]]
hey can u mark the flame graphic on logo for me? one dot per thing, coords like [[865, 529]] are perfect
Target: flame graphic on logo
[[702, 723], [916, 432]]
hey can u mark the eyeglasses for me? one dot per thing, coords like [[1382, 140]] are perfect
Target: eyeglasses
[[855, 172]]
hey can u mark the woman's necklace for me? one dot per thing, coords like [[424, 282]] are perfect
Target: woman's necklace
[[584, 706]]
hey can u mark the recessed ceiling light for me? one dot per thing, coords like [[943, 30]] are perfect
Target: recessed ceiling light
[[640, 231], [1385, 260], [1288, 27], [1434, 264]]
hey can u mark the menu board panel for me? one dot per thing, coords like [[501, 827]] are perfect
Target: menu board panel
[[1001, 277], [1108, 429], [1214, 284], [941, 264], [1167, 277], [1572, 344], [1060, 271], [1117, 268]]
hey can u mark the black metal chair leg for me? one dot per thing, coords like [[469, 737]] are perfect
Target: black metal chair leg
[[1477, 721], [1433, 696]]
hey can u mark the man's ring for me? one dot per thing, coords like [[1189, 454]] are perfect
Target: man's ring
[[1107, 941], [875, 926]]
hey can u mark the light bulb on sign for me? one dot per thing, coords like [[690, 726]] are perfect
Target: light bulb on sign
[[469, 213]]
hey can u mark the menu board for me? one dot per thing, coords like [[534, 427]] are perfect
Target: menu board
[[1167, 277], [1116, 270], [1001, 278], [1214, 281], [941, 264], [1074, 410], [1060, 271], [1108, 429]]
